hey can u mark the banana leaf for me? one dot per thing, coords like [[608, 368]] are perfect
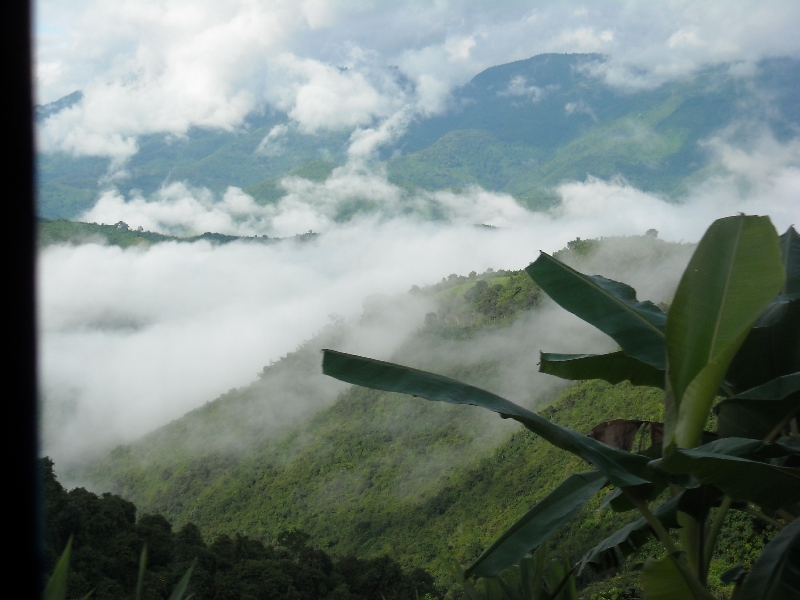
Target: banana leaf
[[776, 573], [613, 368], [790, 257], [638, 327], [724, 463], [757, 412], [538, 524], [621, 468], [732, 276], [612, 551]]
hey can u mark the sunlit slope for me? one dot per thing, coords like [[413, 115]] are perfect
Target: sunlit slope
[[378, 474], [521, 128]]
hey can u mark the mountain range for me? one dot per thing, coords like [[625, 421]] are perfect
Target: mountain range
[[520, 128]]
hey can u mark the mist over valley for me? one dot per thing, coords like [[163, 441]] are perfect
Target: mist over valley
[[224, 193]]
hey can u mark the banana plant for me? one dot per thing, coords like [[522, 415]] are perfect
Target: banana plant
[[56, 588], [536, 577], [728, 347]]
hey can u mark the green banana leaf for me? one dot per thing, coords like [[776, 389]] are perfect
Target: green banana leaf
[[756, 412], [790, 257], [734, 273], [56, 588], [613, 368], [539, 523], [776, 573], [661, 580], [620, 467], [142, 569], [773, 346], [771, 349], [724, 463], [733, 575], [611, 306], [612, 551], [180, 589]]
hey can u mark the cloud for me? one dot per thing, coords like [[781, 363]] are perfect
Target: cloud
[[321, 96], [459, 48], [271, 144], [761, 175], [518, 86], [131, 339], [169, 65], [178, 209], [585, 39]]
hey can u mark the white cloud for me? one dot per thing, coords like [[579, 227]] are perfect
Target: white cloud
[[171, 64], [585, 39], [133, 338], [459, 48], [324, 97], [271, 144], [518, 86]]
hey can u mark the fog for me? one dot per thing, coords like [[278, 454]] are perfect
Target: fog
[[131, 339]]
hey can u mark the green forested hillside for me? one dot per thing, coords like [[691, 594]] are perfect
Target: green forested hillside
[[108, 540], [521, 128], [525, 127], [270, 190], [374, 473], [61, 231]]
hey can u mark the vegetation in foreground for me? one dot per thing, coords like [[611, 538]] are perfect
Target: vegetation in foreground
[[732, 330], [105, 558]]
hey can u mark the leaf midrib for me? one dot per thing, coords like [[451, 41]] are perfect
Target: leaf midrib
[[729, 277], [592, 283]]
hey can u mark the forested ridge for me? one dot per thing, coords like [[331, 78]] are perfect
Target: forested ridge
[[108, 539], [60, 231]]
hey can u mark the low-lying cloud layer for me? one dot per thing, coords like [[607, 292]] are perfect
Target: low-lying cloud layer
[[762, 176], [131, 339], [167, 66]]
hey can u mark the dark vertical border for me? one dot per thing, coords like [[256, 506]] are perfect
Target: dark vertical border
[[22, 539]]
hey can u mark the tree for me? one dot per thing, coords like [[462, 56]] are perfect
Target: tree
[[732, 331]]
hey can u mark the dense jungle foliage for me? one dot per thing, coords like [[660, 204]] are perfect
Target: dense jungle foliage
[[107, 539]]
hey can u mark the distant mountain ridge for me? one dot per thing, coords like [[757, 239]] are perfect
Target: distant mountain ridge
[[521, 128], [62, 231]]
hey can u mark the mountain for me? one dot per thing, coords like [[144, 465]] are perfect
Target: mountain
[[520, 128], [526, 126], [369, 473]]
